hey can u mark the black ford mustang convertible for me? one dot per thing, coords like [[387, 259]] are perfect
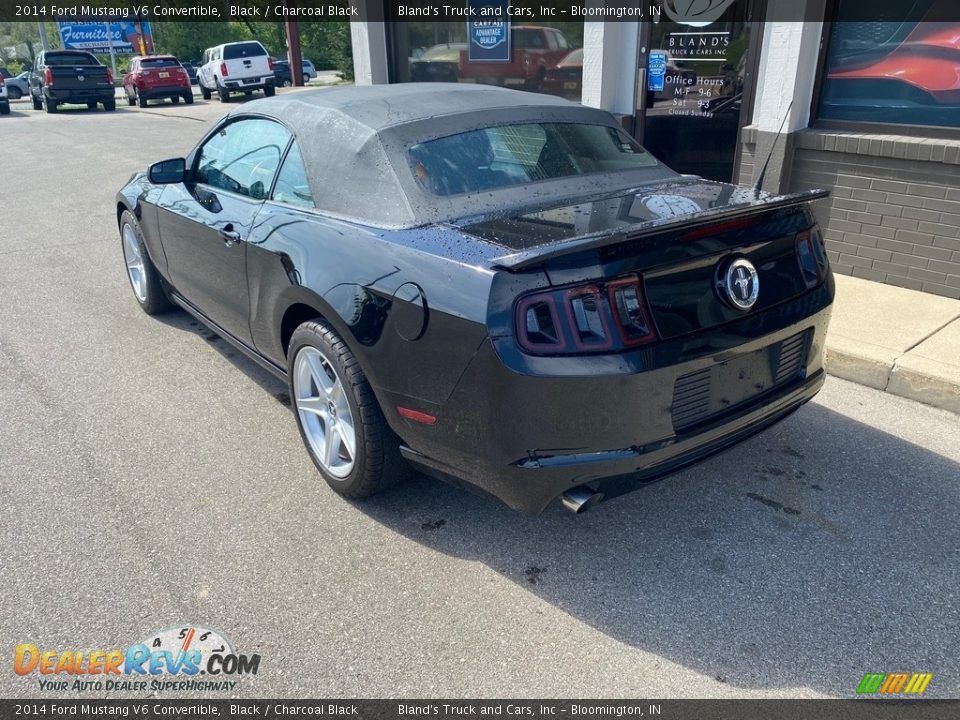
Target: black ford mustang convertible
[[492, 286]]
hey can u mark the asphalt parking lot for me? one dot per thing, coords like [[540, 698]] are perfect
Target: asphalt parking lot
[[150, 476]]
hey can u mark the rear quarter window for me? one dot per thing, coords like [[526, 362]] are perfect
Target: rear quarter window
[[243, 50]]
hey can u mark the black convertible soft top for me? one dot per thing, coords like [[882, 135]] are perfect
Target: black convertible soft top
[[354, 142]]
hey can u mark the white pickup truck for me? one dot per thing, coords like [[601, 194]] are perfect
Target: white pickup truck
[[236, 67]]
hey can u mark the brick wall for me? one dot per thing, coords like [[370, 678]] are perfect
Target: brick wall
[[894, 210]]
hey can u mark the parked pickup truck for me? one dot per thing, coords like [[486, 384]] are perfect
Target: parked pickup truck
[[236, 67], [156, 77], [534, 50], [70, 77]]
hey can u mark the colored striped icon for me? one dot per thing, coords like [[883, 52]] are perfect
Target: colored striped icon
[[894, 683]]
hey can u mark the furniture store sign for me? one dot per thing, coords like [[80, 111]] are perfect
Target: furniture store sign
[[97, 37]]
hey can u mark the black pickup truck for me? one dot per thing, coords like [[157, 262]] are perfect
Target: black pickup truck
[[71, 76]]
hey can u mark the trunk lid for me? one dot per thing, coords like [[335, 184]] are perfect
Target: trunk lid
[[679, 237]]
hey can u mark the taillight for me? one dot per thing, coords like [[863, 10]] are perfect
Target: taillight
[[812, 257], [109, 76], [270, 63], [631, 314], [585, 319], [47, 76], [223, 69], [2, 81]]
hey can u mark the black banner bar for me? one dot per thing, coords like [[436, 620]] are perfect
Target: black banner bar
[[858, 709], [520, 11]]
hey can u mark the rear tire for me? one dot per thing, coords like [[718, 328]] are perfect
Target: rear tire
[[144, 279], [110, 105], [141, 100], [175, 100], [269, 91], [50, 107], [91, 105], [131, 101], [374, 463], [188, 98], [224, 94], [14, 93], [37, 105], [204, 93], [4, 108]]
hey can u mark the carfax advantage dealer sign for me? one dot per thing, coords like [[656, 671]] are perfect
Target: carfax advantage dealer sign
[[488, 30]]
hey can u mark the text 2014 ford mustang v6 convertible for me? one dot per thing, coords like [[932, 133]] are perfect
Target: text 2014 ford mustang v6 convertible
[[493, 286]]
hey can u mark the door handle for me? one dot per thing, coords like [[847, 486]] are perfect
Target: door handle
[[230, 236]]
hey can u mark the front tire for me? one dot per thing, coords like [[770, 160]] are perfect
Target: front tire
[[144, 279], [337, 414]]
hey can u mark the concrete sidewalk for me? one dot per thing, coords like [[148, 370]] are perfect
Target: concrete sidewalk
[[902, 341]]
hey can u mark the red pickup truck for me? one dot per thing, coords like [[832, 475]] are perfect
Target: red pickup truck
[[154, 77], [533, 51]]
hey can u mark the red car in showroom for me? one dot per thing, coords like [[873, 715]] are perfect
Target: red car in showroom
[[156, 77]]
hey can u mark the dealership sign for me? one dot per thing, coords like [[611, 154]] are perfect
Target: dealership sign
[[489, 31], [126, 37]]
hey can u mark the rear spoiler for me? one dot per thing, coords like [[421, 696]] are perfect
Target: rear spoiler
[[550, 251]]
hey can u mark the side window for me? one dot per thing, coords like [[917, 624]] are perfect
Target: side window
[[292, 186], [243, 157]]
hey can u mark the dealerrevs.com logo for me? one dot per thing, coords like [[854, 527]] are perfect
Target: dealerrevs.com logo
[[185, 658]]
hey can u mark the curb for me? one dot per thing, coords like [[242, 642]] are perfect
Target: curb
[[890, 377]]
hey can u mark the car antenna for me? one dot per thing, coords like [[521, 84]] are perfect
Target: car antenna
[[763, 172]]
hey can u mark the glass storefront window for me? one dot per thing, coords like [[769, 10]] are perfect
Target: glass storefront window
[[547, 59], [903, 68]]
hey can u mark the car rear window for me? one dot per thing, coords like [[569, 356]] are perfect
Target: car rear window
[[70, 59], [506, 155], [243, 50], [158, 62]]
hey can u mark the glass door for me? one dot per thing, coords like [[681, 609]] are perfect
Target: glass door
[[697, 83]]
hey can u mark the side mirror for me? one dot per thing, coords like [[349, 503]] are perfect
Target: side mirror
[[167, 172]]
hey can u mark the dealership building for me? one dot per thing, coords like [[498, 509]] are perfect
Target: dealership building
[[867, 93]]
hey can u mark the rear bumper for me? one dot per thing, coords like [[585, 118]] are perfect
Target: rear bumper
[[526, 439], [166, 91], [248, 84], [79, 96]]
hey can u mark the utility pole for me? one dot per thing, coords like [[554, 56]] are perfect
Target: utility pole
[[44, 43], [113, 56], [293, 50]]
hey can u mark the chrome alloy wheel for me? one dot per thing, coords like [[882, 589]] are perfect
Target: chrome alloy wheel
[[324, 411], [135, 265]]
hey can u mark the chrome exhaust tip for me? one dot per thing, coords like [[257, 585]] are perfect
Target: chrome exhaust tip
[[580, 499]]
